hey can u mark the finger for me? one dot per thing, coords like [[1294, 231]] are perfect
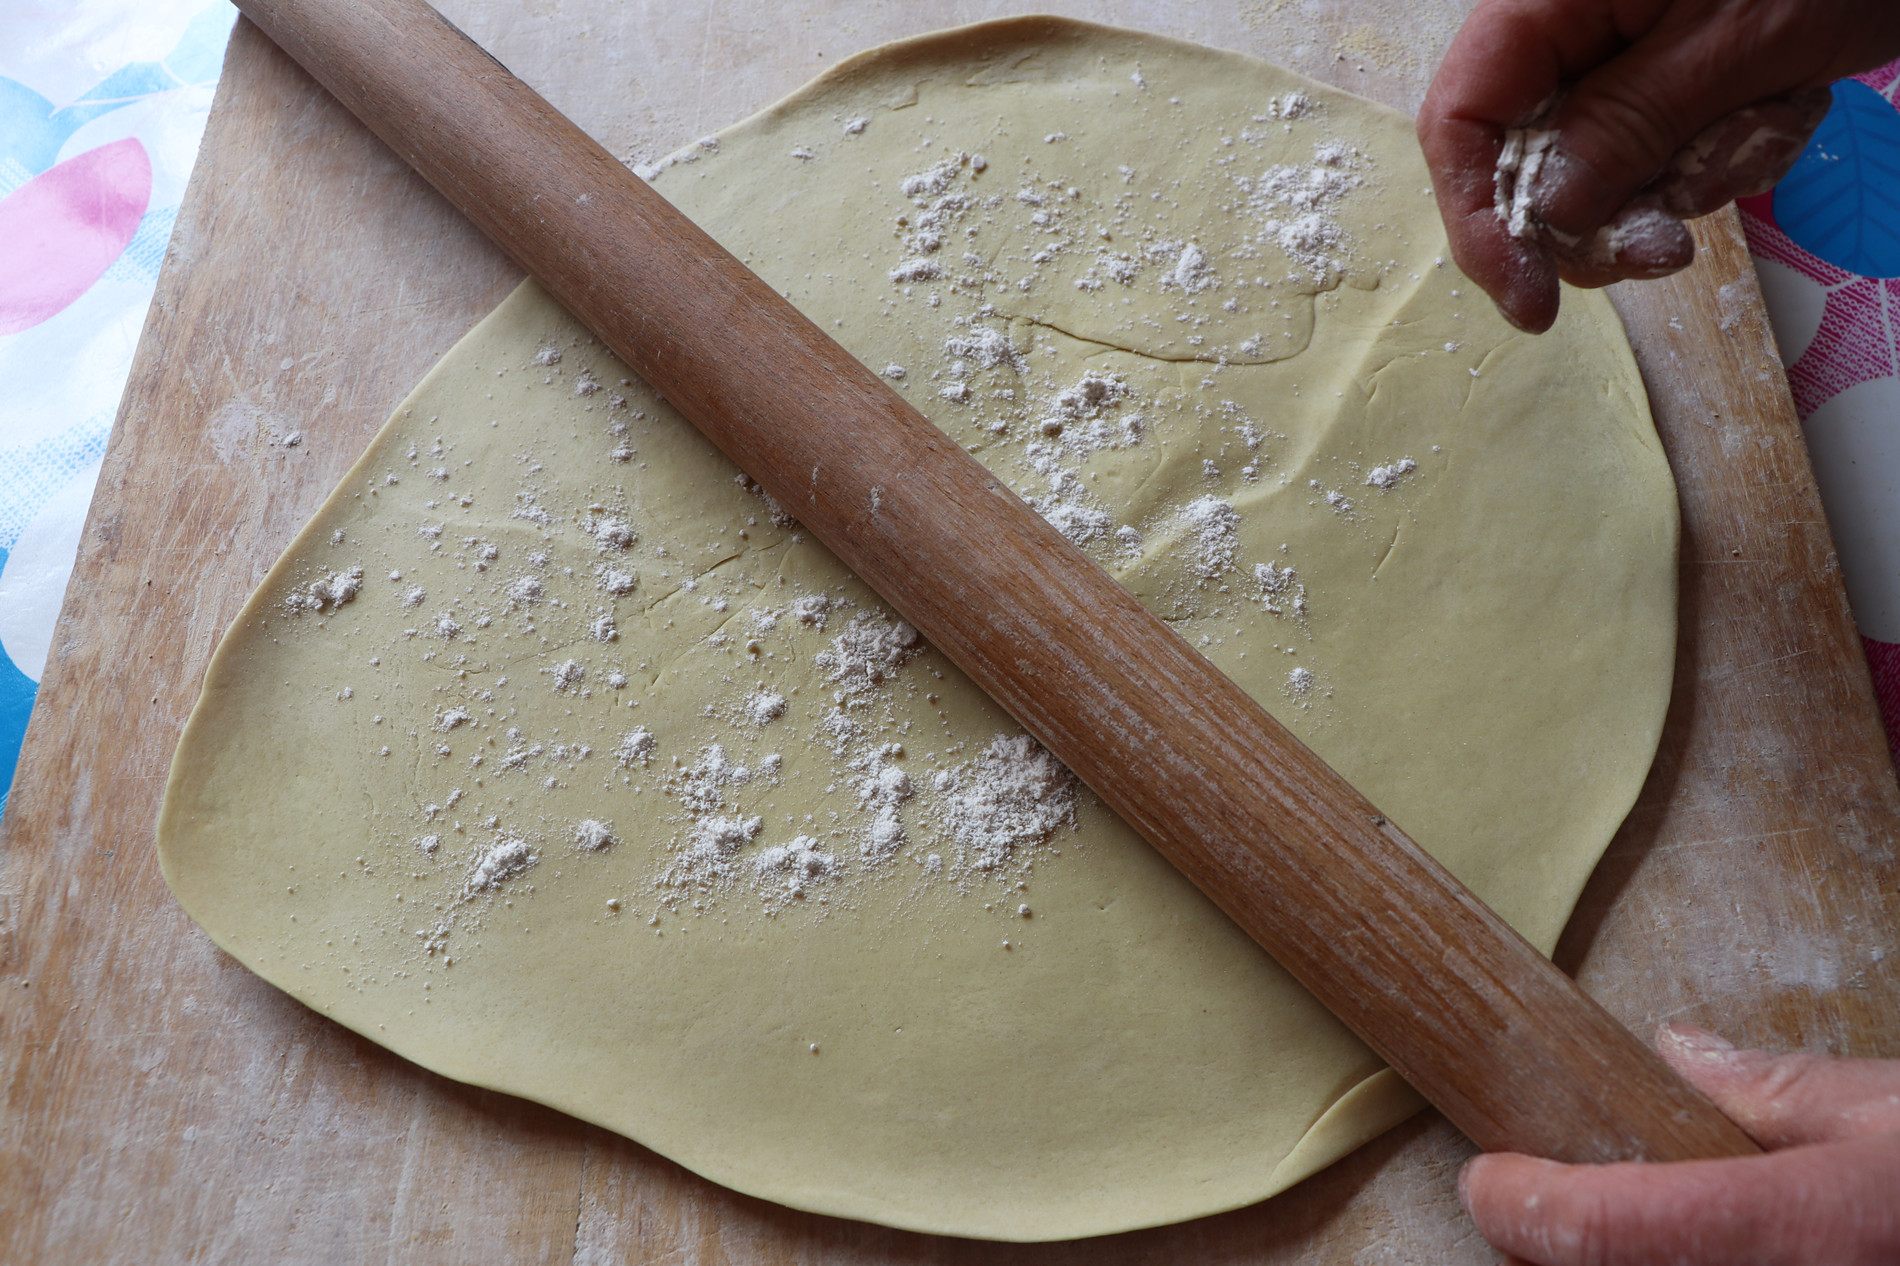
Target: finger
[[1787, 1100], [1519, 274], [1641, 243], [1743, 153], [1829, 1203]]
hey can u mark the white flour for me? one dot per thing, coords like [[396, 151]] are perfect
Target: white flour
[[1191, 272], [712, 845], [1281, 592], [796, 865], [1012, 796], [501, 861], [1388, 477], [702, 785], [591, 836], [616, 581], [636, 748], [329, 592], [882, 789], [1516, 183], [869, 650], [811, 610], [987, 347], [614, 534], [762, 707], [1079, 522], [1080, 421], [1212, 528], [1295, 206]]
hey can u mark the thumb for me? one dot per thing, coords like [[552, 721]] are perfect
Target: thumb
[[1787, 1100], [1831, 1203]]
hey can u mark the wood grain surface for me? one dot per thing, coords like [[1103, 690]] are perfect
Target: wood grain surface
[[165, 1105]]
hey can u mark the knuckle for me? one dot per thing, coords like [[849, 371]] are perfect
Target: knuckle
[[1790, 1078], [1637, 129]]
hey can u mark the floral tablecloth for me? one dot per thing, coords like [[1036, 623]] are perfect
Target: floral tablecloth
[[103, 104]]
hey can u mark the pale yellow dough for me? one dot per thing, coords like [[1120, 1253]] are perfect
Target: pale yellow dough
[[1489, 642]]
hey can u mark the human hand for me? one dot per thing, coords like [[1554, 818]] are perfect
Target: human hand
[[1827, 1193], [1633, 115]]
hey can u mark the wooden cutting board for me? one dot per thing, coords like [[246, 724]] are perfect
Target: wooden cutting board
[[163, 1104]]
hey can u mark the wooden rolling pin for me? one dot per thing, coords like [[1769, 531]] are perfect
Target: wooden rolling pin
[[1462, 1006]]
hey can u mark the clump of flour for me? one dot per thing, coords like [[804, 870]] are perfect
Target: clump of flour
[[509, 856], [702, 785], [1080, 420], [762, 707], [592, 836], [870, 650], [1190, 272], [1281, 592], [328, 592], [1212, 528], [938, 206], [1388, 477], [811, 610], [636, 748], [711, 846], [882, 789], [987, 348], [1516, 184], [613, 534], [1088, 418], [1010, 798], [795, 866]]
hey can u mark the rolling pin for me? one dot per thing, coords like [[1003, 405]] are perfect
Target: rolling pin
[[1464, 1008]]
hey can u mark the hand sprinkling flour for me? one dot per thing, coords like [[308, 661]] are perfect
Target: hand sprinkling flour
[[1571, 139]]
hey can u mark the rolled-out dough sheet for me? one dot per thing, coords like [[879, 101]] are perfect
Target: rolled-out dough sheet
[[554, 758]]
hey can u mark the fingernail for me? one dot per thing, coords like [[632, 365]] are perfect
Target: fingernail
[[1641, 240], [1695, 1041], [1464, 1180], [1554, 177]]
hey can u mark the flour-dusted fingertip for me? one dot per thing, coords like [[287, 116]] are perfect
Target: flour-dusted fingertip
[[1646, 241], [1464, 1180], [1692, 1042]]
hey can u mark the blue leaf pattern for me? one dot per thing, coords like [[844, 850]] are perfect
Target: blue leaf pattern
[[1841, 200]]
